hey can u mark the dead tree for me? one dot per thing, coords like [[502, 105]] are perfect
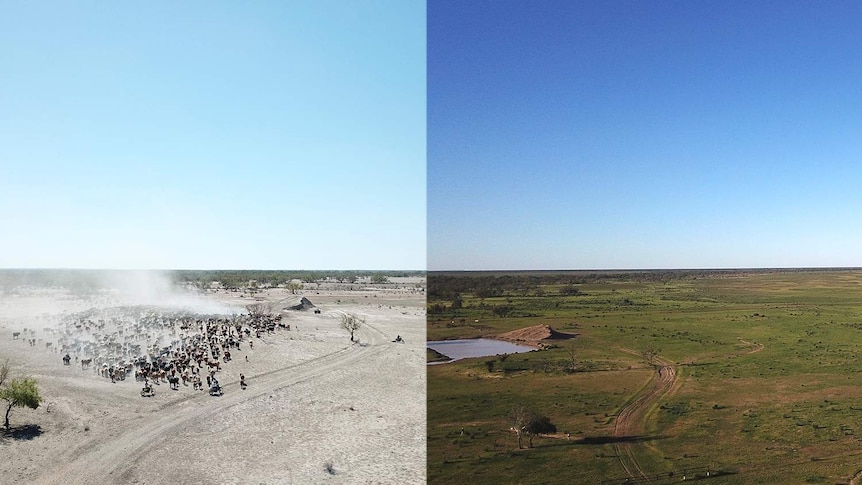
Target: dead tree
[[351, 323]]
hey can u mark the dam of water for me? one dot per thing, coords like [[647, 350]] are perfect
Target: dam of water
[[476, 347]]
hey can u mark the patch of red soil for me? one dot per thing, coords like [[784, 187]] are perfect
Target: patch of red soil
[[535, 335]]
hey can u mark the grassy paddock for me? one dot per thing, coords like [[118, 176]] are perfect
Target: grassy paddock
[[768, 365]]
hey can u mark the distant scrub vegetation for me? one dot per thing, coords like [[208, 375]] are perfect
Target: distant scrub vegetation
[[445, 285], [94, 279]]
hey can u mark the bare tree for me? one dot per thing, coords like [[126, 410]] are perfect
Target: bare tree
[[650, 354], [351, 323], [572, 352], [520, 416]]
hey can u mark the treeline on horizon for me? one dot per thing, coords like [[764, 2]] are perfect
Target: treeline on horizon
[[237, 278], [449, 285], [84, 279]]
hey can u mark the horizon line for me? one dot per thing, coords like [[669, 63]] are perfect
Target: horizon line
[[197, 269], [625, 270]]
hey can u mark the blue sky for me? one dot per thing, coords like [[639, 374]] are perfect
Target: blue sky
[[612, 135], [243, 135]]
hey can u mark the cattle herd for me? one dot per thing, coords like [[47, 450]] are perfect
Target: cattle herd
[[154, 344]]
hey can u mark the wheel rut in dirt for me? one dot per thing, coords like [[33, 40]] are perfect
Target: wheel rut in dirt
[[630, 421], [109, 461]]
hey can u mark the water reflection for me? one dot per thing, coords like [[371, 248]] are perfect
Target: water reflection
[[476, 347]]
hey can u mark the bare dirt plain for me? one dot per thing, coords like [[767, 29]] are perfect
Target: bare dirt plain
[[318, 408]]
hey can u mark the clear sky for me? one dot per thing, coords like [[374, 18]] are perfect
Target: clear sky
[[207, 135], [626, 134]]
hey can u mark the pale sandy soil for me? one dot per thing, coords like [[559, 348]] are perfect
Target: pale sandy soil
[[318, 408]]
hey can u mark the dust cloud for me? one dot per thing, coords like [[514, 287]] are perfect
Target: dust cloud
[[86, 312]]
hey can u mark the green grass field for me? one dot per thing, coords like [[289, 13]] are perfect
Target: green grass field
[[768, 385]]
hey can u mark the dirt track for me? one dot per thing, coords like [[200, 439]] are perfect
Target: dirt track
[[115, 458], [629, 422], [756, 347]]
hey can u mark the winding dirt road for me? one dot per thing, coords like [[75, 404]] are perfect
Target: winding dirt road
[[630, 420], [755, 346]]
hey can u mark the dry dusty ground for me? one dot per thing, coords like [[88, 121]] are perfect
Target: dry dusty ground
[[318, 409]]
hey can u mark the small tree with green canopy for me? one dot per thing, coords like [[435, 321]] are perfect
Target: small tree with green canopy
[[540, 425], [293, 286], [4, 372], [351, 323], [528, 422], [20, 392], [379, 278]]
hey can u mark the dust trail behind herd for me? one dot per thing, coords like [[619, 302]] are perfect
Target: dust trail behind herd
[[103, 312]]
